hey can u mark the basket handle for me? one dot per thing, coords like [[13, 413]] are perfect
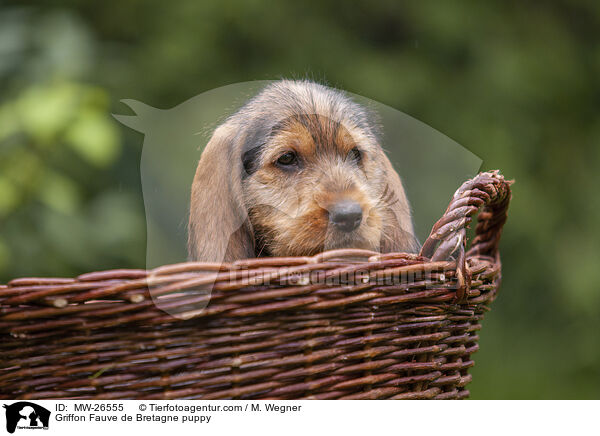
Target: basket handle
[[488, 193]]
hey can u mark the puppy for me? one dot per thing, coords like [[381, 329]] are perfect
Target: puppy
[[296, 171]]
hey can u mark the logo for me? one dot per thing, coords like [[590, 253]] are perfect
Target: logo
[[26, 415]]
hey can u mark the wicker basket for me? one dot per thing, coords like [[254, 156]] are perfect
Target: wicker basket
[[345, 324]]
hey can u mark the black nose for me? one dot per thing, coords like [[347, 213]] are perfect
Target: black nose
[[346, 215]]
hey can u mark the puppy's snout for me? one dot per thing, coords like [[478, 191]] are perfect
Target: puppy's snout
[[346, 215]]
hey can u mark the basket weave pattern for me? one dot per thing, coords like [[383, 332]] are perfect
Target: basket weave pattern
[[345, 324]]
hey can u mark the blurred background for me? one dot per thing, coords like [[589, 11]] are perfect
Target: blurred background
[[516, 83]]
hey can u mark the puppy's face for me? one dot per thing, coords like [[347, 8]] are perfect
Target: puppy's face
[[296, 171], [314, 185]]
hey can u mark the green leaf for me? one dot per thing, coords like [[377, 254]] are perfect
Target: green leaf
[[44, 111], [9, 122], [9, 196], [59, 192], [94, 137]]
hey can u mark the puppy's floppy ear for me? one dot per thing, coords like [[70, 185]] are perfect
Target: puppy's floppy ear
[[219, 229], [398, 234]]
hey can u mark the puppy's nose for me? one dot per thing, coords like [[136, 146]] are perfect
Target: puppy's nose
[[346, 215]]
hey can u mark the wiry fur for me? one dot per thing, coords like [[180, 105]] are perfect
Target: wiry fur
[[243, 205]]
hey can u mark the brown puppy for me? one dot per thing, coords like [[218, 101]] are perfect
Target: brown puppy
[[296, 171]]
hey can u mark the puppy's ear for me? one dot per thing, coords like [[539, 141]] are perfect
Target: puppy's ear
[[219, 229], [398, 231]]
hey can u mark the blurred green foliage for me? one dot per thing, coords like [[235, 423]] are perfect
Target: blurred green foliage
[[517, 83]]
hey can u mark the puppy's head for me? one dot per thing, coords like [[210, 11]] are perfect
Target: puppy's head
[[296, 171]]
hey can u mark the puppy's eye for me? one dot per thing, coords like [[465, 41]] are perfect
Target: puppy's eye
[[288, 159], [355, 155]]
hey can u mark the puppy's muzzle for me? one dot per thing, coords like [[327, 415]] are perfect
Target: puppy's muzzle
[[346, 215]]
